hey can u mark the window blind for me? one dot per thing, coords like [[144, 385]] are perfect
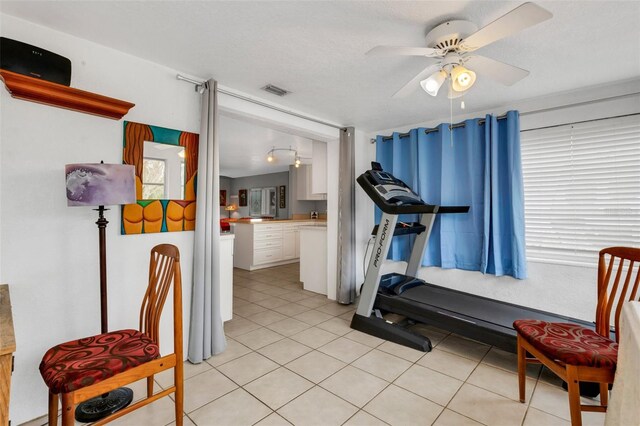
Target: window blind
[[582, 189]]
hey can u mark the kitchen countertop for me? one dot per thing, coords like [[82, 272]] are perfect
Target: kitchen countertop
[[254, 221]]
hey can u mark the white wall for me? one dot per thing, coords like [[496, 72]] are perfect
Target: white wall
[[566, 290], [49, 250]]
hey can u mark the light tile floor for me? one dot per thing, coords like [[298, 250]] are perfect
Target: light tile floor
[[293, 359]]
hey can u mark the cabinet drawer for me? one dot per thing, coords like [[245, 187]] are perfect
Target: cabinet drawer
[[267, 227], [268, 235], [267, 255], [267, 243]]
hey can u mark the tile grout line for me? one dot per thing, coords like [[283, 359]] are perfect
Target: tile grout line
[[388, 383]]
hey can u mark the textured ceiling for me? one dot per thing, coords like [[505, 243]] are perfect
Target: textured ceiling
[[244, 146], [316, 49]]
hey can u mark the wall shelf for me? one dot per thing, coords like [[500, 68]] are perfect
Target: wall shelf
[[48, 93]]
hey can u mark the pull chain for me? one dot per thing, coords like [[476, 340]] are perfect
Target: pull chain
[[450, 111]]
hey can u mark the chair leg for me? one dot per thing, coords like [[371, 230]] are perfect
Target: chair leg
[[53, 409], [522, 369], [573, 386], [178, 377], [150, 386], [68, 409], [604, 394]]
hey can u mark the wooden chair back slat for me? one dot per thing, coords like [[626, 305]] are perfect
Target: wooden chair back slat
[[164, 270], [636, 284], [623, 293], [611, 295]]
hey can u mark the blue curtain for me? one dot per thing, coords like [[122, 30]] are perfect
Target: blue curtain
[[476, 165]]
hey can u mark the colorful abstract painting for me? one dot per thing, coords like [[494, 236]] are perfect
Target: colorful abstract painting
[[150, 216]]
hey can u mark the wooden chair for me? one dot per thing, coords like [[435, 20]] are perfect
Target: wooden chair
[[89, 367], [575, 353]]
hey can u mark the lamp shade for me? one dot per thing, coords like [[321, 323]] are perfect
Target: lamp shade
[[98, 184], [462, 78], [432, 84]]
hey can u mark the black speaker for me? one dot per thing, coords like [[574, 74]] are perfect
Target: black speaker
[[23, 58]]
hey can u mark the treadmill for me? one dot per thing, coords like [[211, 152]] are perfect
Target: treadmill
[[479, 318]]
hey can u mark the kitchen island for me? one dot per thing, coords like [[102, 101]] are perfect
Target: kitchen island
[[313, 258], [226, 275], [267, 243]]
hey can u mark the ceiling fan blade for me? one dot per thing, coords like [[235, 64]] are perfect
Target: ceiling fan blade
[[496, 70], [524, 16], [414, 83], [403, 51]]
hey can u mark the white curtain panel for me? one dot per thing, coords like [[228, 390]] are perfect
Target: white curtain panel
[[206, 333], [346, 218]]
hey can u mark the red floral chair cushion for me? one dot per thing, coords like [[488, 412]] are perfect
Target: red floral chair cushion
[[569, 343], [79, 363]]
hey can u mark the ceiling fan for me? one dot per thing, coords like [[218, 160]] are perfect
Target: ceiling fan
[[452, 41]]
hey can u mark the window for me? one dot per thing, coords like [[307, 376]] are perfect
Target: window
[[153, 179], [582, 189], [182, 182]]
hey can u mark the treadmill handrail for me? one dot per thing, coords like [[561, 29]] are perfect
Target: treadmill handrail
[[408, 208]]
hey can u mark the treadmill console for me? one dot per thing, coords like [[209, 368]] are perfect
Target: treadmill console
[[391, 194]]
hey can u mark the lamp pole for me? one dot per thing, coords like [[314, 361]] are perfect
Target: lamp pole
[[102, 226]]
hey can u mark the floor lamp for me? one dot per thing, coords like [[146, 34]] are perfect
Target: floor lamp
[[99, 185]]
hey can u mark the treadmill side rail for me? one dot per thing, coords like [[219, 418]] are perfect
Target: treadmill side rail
[[378, 327]]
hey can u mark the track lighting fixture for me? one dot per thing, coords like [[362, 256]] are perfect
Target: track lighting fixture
[[271, 157]]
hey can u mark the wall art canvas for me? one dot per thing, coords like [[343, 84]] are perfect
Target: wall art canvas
[[223, 198], [282, 196], [242, 198]]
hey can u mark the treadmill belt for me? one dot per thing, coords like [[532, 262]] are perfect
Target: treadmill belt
[[466, 305]]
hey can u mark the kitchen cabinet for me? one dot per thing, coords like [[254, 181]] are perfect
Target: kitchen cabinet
[[264, 244], [319, 168], [291, 240], [304, 179]]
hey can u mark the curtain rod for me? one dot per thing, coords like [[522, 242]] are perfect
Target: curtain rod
[[482, 120], [198, 84], [435, 129]]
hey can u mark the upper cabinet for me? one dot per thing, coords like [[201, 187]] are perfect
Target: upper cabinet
[[304, 177], [319, 168], [311, 179]]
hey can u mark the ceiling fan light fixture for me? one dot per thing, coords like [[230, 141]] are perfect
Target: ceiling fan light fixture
[[462, 78], [432, 84]]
